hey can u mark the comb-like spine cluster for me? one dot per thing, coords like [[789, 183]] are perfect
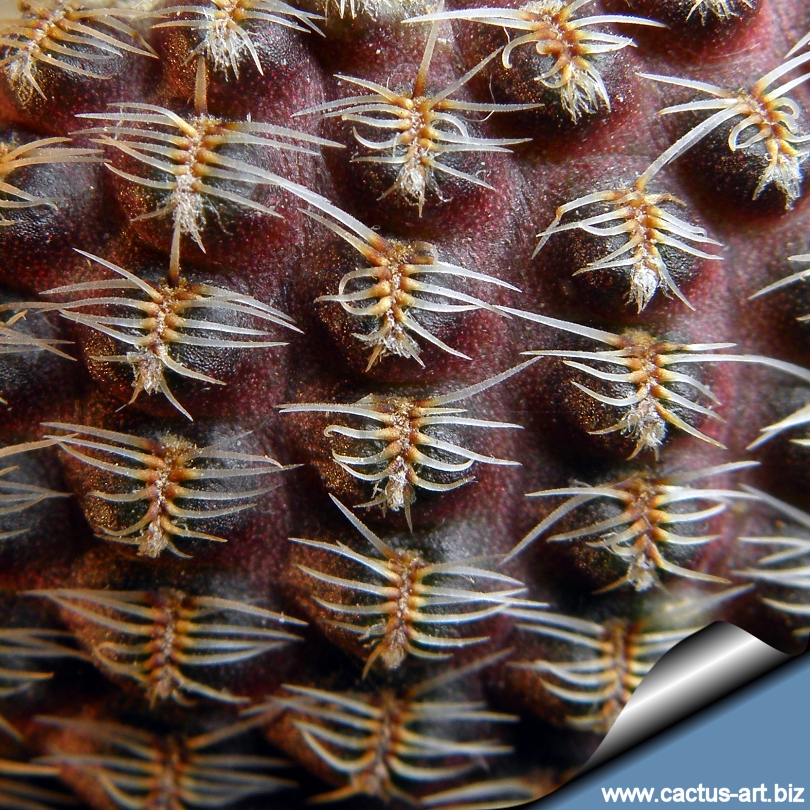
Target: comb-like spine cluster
[[81, 38], [172, 477], [427, 129], [381, 744], [422, 605], [401, 281], [645, 525], [223, 27], [163, 318], [556, 31], [411, 454], [135, 768], [157, 637]]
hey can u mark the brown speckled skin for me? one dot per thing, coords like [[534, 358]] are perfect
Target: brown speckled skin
[[290, 261]]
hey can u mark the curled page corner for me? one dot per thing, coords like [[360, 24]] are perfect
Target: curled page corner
[[701, 669]]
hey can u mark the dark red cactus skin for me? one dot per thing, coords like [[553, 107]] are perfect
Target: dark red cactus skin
[[329, 327], [700, 31], [38, 249], [64, 95], [215, 551]]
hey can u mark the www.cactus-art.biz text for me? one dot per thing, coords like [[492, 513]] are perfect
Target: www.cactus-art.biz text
[[701, 793]]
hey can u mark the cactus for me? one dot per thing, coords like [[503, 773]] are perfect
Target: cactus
[[387, 386]]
